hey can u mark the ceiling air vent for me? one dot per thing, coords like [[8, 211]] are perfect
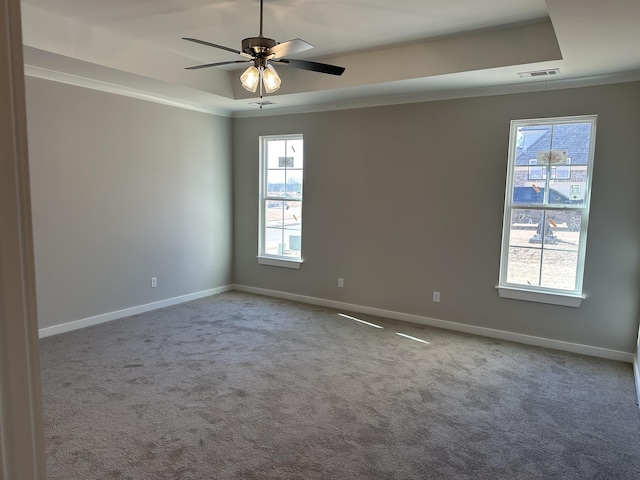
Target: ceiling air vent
[[261, 103], [540, 73]]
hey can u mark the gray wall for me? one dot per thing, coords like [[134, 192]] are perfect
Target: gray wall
[[124, 190], [404, 200]]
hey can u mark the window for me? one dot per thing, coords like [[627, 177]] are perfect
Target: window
[[547, 209], [557, 171], [281, 174]]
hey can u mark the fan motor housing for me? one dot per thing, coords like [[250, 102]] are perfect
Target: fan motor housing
[[257, 45]]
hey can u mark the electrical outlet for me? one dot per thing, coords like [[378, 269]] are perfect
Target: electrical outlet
[[436, 296], [154, 282], [341, 282]]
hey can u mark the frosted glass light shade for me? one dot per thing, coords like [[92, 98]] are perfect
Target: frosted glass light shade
[[271, 79], [250, 79]]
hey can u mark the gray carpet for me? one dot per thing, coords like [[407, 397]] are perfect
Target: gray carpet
[[239, 386]]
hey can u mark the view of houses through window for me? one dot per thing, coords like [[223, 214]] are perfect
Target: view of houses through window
[[547, 203], [281, 197]]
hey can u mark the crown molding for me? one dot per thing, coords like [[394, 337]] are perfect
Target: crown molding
[[107, 87], [374, 100]]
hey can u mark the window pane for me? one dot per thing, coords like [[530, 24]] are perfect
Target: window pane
[[559, 152], [521, 174], [548, 260], [285, 242], [275, 150], [275, 182], [284, 153], [564, 224], [525, 218], [574, 138], [529, 193], [294, 149], [559, 269], [284, 168], [562, 230], [568, 187], [274, 214], [524, 266], [294, 183], [293, 242], [292, 215], [283, 232], [523, 228], [274, 241], [562, 220], [532, 138]]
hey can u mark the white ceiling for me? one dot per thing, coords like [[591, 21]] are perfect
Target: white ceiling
[[393, 51]]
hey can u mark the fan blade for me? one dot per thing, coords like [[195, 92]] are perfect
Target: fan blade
[[289, 47], [313, 66], [217, 64], [221, 47]]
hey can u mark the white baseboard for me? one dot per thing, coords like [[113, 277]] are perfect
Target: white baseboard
[[405, 317], [127, 312], [460, 327]]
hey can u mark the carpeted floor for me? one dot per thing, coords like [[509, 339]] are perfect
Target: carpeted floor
[[238, 386]]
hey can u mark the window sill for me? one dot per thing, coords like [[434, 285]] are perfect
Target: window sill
[[280, 262], [564, 300]]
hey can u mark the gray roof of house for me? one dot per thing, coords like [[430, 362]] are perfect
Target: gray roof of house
[[571, 137]]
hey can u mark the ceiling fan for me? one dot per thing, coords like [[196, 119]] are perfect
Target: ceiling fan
[[262, 52]]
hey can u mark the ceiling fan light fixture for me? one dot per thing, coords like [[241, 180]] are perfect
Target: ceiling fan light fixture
[[250, 78], [271, 79], [261, 51]]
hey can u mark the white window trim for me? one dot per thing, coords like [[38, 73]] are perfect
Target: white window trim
[[562, 299], [279, 262], [265, 259], [542, 294]]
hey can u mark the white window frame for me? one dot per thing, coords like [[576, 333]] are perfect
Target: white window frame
[[538, 293], [263, 257]]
